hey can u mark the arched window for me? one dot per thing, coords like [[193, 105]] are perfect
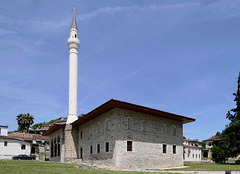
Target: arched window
[[129, 123], [58, 146], [55, 147], [174, 131], [98, 128], [107, 124], [51, 148], [144, 126], [164, 129], [90, 131]]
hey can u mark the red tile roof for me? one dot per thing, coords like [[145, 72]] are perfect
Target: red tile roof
[[28, 136], [214, 138], [185, 145]]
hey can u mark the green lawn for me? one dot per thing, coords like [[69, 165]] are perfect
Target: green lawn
[[38, 167], [210, 166]]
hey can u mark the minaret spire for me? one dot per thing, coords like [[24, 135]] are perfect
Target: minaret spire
[[74, 22]]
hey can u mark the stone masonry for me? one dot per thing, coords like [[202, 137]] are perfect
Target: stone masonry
[[147, 133]]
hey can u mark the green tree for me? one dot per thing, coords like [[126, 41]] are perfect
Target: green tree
[[24, 121], [220, 152], [37, 125], [229, 145], [235, 112], [231, 134], [218, 134], [204, 144]]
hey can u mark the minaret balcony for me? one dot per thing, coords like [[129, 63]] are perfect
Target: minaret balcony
[[73, 43]]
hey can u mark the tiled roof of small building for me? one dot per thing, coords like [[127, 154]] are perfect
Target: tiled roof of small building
[[28, 136], [214, 138], [3, 126], [185, 145]]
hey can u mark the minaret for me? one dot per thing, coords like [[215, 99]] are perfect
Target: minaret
[[73, 44]]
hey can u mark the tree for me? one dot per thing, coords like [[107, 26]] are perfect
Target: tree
[[229, 145], [220, 152], [204, 144], [37, 125], [24, 121], [231, 134], [235, 112]]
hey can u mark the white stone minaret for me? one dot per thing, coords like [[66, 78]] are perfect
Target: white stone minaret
[[73, 44]]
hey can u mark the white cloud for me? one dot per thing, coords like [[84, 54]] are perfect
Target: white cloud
[[6, 32], [194, 10]]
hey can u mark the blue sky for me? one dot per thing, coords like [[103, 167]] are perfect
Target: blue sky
[[177, 56]]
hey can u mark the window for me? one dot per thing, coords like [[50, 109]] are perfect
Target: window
[[81, 134], [129, 123], [144, 126], [23, 147], [196, 155], [0, 131], [81, 152], [107, 147], [98, 128], [51, 148], [5, 143], [164, 130], [58, 146], [90, 131], [91, 150], [174, 131], [106, 125], [174, 149], [129, 145], [199, 156], [98, 148], [164, 148], [193, 155], [75, 36]]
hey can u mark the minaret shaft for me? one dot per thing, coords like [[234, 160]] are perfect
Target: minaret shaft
[[73, 44]]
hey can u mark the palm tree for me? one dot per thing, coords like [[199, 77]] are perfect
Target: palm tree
[[24, 121]]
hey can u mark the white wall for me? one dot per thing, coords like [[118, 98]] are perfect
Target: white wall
[[3, 131], [13, 148], [192, 154]]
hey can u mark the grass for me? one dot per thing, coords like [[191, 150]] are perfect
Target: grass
[[39, 167], [210, 166]]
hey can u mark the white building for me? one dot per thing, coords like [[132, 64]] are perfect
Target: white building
[[10, 146], [192, 150], [3, 130]]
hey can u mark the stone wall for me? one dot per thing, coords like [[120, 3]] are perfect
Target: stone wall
[[71, 143], [147, 152], [98, 132], [147, 133], [52, 138]]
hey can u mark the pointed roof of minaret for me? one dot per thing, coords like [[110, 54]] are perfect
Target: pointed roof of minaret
[[74, 22]]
